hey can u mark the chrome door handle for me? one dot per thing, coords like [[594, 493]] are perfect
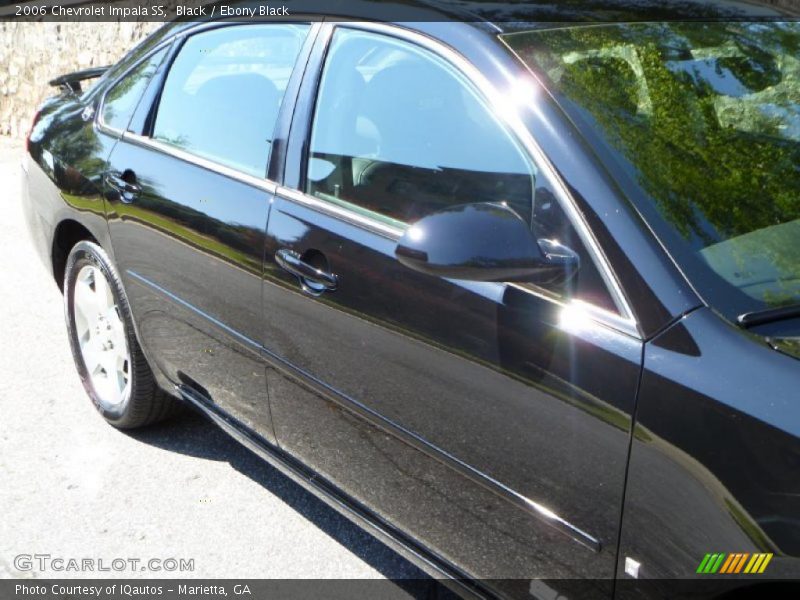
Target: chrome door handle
[[319, 279], [127, 191]]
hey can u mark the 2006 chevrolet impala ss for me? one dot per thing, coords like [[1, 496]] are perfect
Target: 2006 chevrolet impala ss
[[522, 300]]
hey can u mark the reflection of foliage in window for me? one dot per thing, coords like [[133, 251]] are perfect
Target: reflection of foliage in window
[[716, 141], [178, 140], [122, 99]]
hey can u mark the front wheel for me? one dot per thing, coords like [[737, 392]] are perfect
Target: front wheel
[[108, 357]]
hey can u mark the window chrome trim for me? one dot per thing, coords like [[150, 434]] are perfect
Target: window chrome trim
[[352, 217], [210, 165], [624, 322], [599, 315]]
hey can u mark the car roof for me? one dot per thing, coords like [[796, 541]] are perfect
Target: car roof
[[513, 15], [504, 16]]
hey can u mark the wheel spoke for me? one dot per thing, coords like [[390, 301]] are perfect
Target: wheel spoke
[[118, 377], [104, 387], [118, 342], [82, 328], [108, 361], [92, 357], [105, 299], [112, 318], [85, 301]]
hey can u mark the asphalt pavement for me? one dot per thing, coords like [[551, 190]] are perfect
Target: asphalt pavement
[[72, 487]]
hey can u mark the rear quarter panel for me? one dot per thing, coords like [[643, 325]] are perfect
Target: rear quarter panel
[[64, 179]]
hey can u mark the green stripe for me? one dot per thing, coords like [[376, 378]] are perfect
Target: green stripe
[[711, 562], [703, 564], [718, 564]]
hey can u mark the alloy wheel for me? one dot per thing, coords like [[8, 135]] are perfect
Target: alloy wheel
[[101, 336]]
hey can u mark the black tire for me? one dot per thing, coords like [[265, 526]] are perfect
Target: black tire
[[145, 403]]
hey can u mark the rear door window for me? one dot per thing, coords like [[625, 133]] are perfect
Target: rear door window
[[223, 92]]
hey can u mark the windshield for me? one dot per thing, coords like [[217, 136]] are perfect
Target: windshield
[[705, 119]]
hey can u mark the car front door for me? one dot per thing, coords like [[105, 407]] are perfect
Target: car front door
[[488, 420], [188, 201]]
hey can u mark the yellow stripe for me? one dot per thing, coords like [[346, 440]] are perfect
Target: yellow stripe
[[761, 558], [741, 562], [752, 562], [727, 562], [765, 563]]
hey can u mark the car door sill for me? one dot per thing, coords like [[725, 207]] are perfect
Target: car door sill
[[426, 560]]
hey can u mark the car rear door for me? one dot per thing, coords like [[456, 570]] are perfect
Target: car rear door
[[188, 198], [490, 421]]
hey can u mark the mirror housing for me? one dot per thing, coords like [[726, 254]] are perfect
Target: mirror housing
[[484, 242]]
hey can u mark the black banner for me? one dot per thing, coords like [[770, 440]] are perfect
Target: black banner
[[217, 589], [385, 589], [542, 11]]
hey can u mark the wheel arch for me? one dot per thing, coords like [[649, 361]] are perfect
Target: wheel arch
[[66, 234]]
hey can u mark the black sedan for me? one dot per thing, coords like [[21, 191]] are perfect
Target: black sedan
[[522, 299]]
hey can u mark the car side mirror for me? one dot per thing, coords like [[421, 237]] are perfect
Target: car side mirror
[[484, 242]]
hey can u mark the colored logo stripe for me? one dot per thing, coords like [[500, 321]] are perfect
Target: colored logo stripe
[[764, 562], [754, 562], [727, 564], [710, 563], [734, 563], [740, 564], [703, 563]]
